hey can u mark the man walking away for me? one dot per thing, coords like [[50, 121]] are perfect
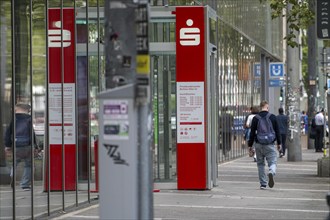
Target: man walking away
[[319, 122], [264, 143], [282, 121], [23, 141]]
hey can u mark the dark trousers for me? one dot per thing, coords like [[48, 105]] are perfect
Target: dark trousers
[[283, 140], [319, 137], [226, 142]]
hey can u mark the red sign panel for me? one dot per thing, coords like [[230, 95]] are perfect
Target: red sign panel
[[190, 76], [190, 46], [57, 39], [61, 47]]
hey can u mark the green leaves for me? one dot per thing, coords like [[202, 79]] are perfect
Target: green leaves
[[298, 17]]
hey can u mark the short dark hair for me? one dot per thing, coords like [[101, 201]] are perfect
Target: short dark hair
[[280, 110]]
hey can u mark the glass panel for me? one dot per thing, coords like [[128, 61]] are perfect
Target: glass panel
[[94, 111], [93, 36], [39, 106], [237, 89], [6, 193], [253, 19], [164, 117], [21, 132], [162, 32]]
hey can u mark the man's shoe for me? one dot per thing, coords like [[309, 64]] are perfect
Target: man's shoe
[[270, 180], [263, 187], [26, 188]]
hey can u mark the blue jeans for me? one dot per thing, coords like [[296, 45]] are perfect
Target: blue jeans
[[267, 152], [24, 154]]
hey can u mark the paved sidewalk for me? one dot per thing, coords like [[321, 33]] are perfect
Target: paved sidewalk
[[298, 194]]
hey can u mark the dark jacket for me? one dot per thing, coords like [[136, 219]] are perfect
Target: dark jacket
[[283, 121], [26, 121], [226, 122], [254, 125]]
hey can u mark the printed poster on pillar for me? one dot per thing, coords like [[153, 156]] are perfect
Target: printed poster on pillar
[[190, 50], [61, 45]]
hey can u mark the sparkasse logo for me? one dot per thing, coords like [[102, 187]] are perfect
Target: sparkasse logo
[[189, 36], [54, 36]]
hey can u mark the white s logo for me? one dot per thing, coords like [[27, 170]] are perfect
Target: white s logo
[[54, 36], [189, 36]]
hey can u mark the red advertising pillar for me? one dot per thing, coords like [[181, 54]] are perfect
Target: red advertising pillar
[[61, 45], [191, 107]]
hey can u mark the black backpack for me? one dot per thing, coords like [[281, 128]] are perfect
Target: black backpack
[[265, 131]]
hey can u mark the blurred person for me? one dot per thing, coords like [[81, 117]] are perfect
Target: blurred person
[[265, 151], [319, 128], [304, 122], [23, 141], [283, 121], [226, 125], [254, 111], [247, 130]]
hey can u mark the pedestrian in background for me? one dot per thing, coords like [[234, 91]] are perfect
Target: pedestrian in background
[[23, 141], [319, 127], [304, 122], [226, 128], [247, 130], [254, 111], [283, 121], [265, 151]]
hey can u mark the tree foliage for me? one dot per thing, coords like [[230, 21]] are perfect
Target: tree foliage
[[299, 17]]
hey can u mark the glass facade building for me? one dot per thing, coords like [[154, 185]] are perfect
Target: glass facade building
[[244, 35]]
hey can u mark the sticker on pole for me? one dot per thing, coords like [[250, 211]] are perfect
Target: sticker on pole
[[116, 124]]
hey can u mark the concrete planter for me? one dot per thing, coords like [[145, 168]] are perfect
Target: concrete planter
[[323, 167]]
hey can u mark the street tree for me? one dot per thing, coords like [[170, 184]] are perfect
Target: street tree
[[300, 16]]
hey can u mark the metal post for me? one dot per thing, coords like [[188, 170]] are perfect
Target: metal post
[[89, 171], [13, 99], [32, 113], [62, 106], [263, 76], [128, 67], [46, 144], [326, 93], [145, 204]]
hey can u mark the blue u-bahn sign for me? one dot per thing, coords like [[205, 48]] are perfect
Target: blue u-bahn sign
[[276, 70]]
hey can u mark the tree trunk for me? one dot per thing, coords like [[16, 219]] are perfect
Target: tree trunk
[[311, 88], [293, 100]]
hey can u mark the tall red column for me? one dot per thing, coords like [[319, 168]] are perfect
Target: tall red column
[[191, 106]]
